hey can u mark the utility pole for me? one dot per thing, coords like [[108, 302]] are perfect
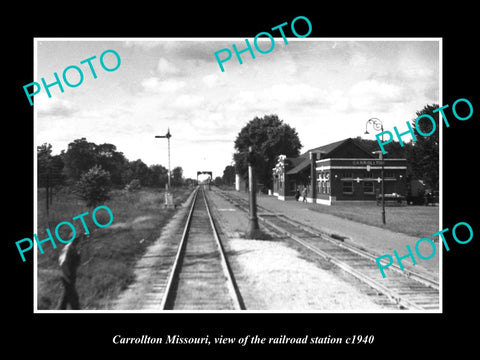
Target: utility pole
[[378, 126], [168, 195], [47, 189], [253, 219]]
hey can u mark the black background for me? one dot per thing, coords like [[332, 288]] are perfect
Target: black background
[[91, 334]]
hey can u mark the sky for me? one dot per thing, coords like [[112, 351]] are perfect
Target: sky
[[325, 88]]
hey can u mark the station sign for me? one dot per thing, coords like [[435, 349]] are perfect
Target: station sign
[[367, 162]]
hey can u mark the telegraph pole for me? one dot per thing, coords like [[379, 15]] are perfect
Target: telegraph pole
[[253, 219], [168, 195]]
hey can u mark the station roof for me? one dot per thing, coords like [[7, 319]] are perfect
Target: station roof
[[302, 165], [303, 161]]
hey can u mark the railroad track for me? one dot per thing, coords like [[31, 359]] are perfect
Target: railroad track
[[200, 277], [405, 289]]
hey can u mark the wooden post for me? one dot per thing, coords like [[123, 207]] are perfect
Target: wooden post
[[47, 195], [253, 220], [313, 176]]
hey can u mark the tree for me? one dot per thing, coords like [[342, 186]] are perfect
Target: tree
[[133, 185], [190, 182], [79, 158], [137, 170], [177, 176], [218, 181], [228, 177], [112, 161], [44, 159], [94, 186], [424, 154], [57, 166], [157, 176], [82, 155], [269, 136], [49, 168]]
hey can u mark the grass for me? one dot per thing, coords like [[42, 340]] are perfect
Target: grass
[[418, 221], [107, 254]]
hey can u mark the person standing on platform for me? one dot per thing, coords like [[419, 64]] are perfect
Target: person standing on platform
[[304, 194], [69, 260], [297, 194]]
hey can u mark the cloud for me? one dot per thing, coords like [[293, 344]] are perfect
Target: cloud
[[280, 96], [145, 45], [415, 74], [213, 80], [296, 94], [166, 68], [155, 85], [189, 101], [55, 106], [372, 94], [358, 60], [201, 51]]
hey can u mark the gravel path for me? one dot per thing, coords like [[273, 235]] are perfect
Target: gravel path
[[372, 238], [273, 275]]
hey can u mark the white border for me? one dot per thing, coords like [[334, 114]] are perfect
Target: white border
[[279, 311]]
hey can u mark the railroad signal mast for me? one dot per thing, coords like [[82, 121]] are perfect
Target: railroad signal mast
[[168, 195]]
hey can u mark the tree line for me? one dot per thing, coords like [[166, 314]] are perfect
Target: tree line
[[102, 162]]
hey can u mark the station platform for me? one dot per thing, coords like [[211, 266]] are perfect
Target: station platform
[[275, 275], [374, 239]]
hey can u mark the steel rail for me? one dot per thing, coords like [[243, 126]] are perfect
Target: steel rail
[[408, 273], [181, 248], [365, 253], [232, 288], [233, 292], [392, 294]]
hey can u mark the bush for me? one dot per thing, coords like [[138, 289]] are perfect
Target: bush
[[94, 186], [133, 185]]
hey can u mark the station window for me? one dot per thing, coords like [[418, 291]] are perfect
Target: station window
[[347, 187], [293, 186], [368, 187]]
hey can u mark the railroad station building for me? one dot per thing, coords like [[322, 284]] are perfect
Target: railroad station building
[[341, 171]]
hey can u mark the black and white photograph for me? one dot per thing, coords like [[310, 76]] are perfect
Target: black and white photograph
[[268, 183], [243, 191]]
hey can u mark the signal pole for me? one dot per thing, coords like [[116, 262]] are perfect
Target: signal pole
[[168, 195]]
